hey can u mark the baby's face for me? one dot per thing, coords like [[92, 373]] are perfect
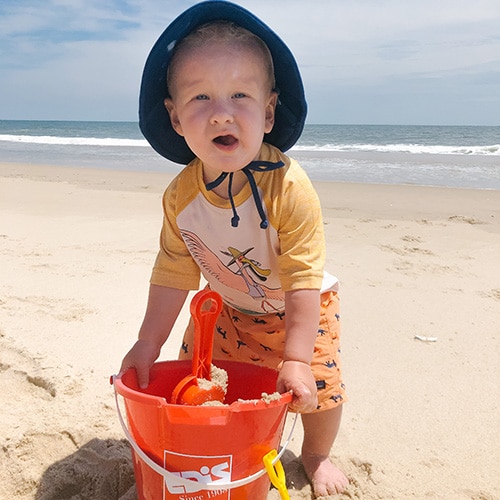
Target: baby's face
[[222, 104]]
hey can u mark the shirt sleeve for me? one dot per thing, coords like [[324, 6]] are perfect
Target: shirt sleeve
[[174, 267], [301, 234]]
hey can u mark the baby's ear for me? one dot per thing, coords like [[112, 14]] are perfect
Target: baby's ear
[[174, 118], [270, 109]]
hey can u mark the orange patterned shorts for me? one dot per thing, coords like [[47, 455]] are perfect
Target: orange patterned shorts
[[260, 340]]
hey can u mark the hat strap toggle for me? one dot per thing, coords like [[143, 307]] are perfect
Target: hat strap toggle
[[256, 166]]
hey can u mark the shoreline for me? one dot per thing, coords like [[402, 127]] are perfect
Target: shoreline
[[413, 261], [365, 167], [75, 173]]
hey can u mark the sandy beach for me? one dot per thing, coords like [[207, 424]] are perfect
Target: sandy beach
[[420, 284]]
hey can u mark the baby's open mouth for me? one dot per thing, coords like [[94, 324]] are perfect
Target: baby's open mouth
[[225, 140]]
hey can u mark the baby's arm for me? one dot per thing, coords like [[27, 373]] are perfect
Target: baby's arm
[[164, 305], [302, 308]]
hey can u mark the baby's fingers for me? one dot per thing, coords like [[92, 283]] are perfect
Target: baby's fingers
[[303, 400]]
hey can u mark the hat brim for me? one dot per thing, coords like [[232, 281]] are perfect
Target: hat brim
[[154, 120]]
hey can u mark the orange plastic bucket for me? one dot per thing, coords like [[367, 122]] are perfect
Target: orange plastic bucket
[[188, 452]]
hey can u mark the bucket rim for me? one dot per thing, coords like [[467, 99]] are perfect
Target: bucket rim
[[159, 401]]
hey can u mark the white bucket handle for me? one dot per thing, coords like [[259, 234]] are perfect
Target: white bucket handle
[[177, 480]]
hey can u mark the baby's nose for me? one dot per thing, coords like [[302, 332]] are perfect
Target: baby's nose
[[222, 113]]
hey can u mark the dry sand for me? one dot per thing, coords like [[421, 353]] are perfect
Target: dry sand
[[77, 247]]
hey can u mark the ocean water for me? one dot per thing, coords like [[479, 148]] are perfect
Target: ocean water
[[451, 156]]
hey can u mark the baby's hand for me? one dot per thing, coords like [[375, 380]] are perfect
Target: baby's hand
[[297, 377], [141, 357]]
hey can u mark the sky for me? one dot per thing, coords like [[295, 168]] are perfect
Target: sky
[[421, 62]]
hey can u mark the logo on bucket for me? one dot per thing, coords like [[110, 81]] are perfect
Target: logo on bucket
[[199, 469]]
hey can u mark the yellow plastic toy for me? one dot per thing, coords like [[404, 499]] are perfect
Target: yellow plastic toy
[[276, 473]]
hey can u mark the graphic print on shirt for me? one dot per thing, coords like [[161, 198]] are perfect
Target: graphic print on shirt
[[240, 273]]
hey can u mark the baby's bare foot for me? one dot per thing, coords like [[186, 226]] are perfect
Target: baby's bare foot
[[326, 478]]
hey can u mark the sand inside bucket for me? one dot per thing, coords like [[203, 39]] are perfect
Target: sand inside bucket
[[219, 378]]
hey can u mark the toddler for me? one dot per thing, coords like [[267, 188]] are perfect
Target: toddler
[[222, 94]]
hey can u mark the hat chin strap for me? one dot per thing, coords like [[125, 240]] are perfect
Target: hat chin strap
[[254, 166]]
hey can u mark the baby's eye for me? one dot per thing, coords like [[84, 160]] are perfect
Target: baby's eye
[[239, 95], [201, 97]]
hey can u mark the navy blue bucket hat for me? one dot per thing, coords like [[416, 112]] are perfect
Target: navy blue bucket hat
[[154, 120]]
